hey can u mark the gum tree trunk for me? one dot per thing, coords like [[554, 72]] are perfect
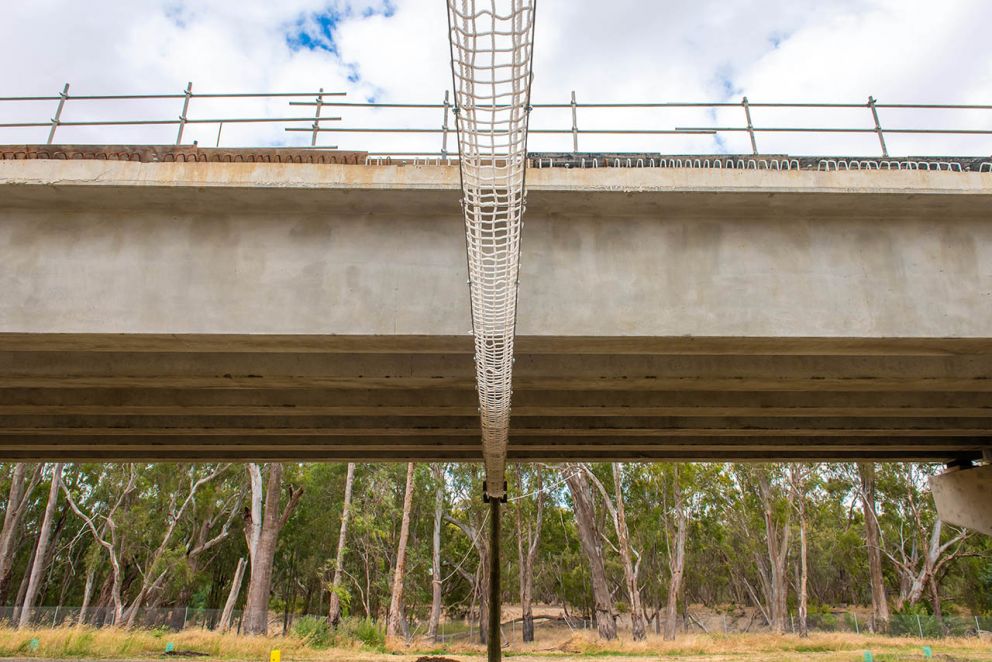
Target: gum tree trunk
[[777, 540], [232, 597], [435, 619], [21, 486], [528, 538], [589, 539], [395, 625], [41, 551], [676, 560], [334, 608], [262, 531], [630, 575], [879, 601]]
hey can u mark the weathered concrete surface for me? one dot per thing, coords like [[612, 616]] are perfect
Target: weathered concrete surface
[[299, 311]]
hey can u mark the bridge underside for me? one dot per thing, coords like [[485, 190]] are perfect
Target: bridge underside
[[206, 311], [401, 398]]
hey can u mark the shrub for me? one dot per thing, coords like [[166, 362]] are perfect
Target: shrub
[[313, 630], [366, 631]]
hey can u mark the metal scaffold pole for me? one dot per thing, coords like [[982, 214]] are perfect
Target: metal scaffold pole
[[493, 642]]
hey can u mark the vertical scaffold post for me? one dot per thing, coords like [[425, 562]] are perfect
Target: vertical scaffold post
[[444, 126], [494, 647], [63, 95], [750, 125], [316, 118], [182, 118], [878, 126], [575, 125]]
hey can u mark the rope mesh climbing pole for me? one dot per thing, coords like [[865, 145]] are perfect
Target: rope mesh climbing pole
[[491, 48]]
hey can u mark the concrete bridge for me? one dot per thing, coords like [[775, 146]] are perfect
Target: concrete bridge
[[164, 310]]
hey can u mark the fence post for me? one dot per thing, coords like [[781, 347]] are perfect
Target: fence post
[[978, 627], [316, 118], [185, 614], [182, 118], [750, 126], [55, 616], [857, 628], [919, 625], [878, 126], [444, 126], [63, 97], [575, 125]]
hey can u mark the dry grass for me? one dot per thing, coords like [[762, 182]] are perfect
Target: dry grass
[[825, 647], [114, 643], [110, 643]]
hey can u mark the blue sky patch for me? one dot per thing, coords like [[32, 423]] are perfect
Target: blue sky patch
[[315, 32]]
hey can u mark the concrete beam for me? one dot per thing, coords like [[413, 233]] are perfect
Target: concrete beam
[[964, 497], [276, 311]]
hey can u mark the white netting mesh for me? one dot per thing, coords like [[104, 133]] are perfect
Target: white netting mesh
[[491, 48]]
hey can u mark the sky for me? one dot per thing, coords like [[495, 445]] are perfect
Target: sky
[[899, 51]]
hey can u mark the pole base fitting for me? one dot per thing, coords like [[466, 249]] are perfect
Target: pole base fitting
[[486, 498]]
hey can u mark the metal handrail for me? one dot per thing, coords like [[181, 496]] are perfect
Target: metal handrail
[[187, 95], [319, 100]]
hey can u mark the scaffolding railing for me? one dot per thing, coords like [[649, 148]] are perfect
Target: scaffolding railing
[[577, 124]]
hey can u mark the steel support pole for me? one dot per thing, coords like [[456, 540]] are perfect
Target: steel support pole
[[63, 95], [316, 118], [750, 126], [878, 127], [494, 648], [187, 93], [575, 125]]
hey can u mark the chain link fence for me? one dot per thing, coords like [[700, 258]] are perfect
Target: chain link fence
[[924, 626]]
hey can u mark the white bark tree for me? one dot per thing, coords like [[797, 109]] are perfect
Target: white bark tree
[[334, 606], [576, 477], [436, 579], [23, 479], [528, 539], [109, 543], [879, 601], [262, 528], [396, 624], [232, 597], [675, 541], [152, 574], [41, 550]]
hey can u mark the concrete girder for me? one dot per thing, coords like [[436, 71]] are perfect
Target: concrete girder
[[281, 311]]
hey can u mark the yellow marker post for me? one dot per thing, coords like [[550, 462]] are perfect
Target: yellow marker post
[[275, 656]]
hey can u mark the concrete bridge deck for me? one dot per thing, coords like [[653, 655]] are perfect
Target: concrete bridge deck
[[288, 311]]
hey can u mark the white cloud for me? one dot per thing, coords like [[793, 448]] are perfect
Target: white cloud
[[621, 51]]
